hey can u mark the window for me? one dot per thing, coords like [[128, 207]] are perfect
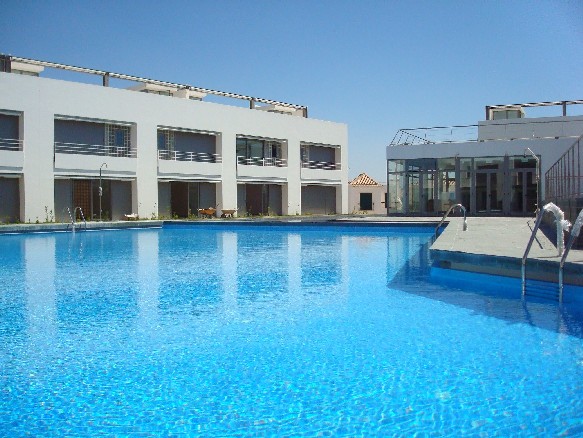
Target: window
[[259, 152], [318, 156], [117, 137], [165, 140]]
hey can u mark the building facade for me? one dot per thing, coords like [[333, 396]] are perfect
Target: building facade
[[494, 168], [156, 149]]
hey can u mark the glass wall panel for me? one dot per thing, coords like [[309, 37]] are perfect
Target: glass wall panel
[[396, 183], [465, 182], [427, 196], [446, 184]]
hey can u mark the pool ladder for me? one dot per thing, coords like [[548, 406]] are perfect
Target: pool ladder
[[558, 294], [462, 208], [73, 216]]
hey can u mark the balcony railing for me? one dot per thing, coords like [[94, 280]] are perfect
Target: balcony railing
[[256, 161], [325, 165], [94, 149], [201, 157], [10, 144]]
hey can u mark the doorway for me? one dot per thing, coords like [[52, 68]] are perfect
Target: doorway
[[366, 201], [488, 192]]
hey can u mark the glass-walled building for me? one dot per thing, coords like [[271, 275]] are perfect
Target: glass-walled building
[[492, 168], [485, 185]]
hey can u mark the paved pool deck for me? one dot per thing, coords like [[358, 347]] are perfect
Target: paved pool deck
[[496, 245]]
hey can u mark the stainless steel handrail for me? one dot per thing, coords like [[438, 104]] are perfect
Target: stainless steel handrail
[[460, 206], [574, 234], [82, 215], [539, 219], [73, 216]]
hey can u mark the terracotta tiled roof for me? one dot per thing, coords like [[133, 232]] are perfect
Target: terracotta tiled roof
[[363, 180]]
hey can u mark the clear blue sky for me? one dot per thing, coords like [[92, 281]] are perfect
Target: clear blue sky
[[376, 65]]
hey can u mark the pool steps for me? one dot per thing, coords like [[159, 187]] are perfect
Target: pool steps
[[73, 217], [563, 251]]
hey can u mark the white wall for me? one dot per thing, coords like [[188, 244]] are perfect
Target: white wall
[[530, 128], [40, 99]]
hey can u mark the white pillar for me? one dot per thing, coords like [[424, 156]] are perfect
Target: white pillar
[[292, 191], [145, 186], [227, 188], [38, 182]]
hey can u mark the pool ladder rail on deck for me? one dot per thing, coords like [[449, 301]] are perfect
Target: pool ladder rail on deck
[[462, 208], [573, 236], [73, 217]]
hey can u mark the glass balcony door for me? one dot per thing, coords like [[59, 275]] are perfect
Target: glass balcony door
[[489, 191], [523, 191]]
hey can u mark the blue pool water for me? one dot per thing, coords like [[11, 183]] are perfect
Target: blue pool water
[[275, 331]]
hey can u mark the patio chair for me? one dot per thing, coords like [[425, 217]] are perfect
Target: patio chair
[[207, 212]]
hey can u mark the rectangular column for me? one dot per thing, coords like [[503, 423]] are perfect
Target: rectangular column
[[227, 188], [292, 191], [145, 186], [37, 183]]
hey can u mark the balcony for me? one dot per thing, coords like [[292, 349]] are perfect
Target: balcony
[[199, 157], [95, 149], [11, 155], [10, 144], [325, 165], [178, 164], [256, 161], [263, 169], [120, 159], [321, 171]]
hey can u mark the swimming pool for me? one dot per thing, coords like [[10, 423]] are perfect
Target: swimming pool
[[274, 331]]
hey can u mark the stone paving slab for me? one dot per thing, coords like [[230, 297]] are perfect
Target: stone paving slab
[[499, 236], [496, 245]]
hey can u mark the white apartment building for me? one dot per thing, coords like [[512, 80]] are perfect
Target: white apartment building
[[128, 145], [498, 167]]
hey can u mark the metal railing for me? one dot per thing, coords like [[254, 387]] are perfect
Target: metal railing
[[504, 131], [575, 230], [436, 134], [95, 149], [325, 165], [256, 161], [73, 217], [201, 157], [10, 144], [563, 252], [564, 180], [446, 214]]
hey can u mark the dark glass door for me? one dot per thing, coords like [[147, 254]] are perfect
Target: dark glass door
[[366, 201]]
